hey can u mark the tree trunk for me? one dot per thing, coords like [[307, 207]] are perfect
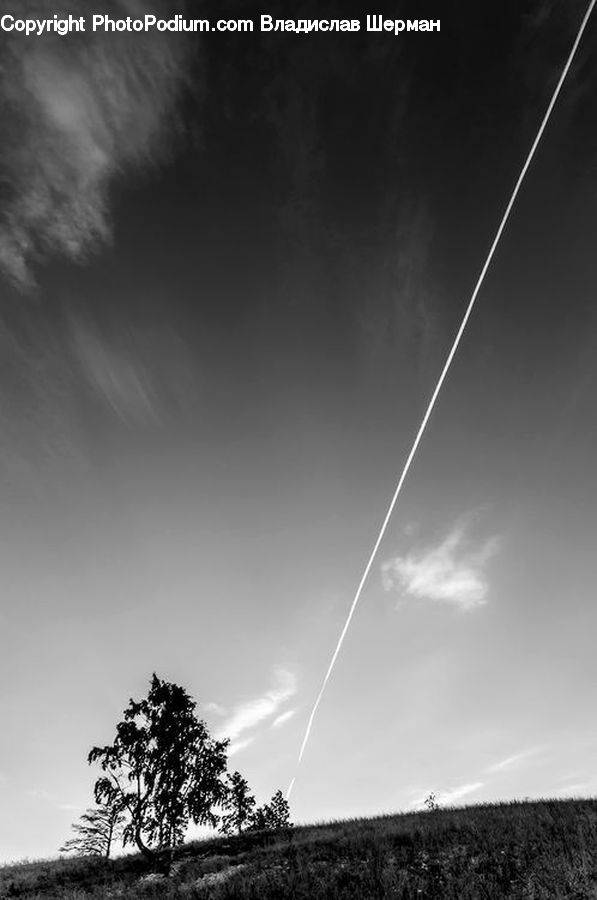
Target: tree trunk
[[161, 860], [147, 853], [109, 839]]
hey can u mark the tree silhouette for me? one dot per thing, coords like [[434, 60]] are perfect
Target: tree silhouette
[[431, 802], [240, 804], [272, 815], [259, 819], [279, 811], [96, 831], [163, 769]]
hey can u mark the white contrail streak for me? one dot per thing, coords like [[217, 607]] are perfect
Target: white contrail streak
[[441, 380]]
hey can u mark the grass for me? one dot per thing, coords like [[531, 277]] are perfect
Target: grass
[[540, 850]]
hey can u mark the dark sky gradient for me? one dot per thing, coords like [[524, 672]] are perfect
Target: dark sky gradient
[[204, 420]]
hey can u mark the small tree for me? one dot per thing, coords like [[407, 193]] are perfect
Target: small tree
[[96, 832], [272, 815], [279, 811], [163, 769], [431, 802], [240, 804], [259, 819]]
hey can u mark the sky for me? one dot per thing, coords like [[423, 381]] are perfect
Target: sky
[[232, 266]]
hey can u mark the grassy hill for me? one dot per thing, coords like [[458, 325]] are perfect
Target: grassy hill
[[532, 850]]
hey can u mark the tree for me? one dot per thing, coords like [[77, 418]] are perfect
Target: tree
[[240, 804], [272, 815], [163, 769], [96, 831], [279, 811], [259, 819], [431, 802]]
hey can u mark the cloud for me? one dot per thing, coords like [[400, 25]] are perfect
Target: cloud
[[283, 718], [510, 761], [236, 746], [142, 376], [49, 797], [40, 794], [449, 798], [215, 708], [446, 798], [251, 713], [78, 113], [452, 572], [121, 381]]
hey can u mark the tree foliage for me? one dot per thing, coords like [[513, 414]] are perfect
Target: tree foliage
[[239, 804], [431, 802], [96, 831], [259, 819], [163, 769], [279, 811], [272, 815]]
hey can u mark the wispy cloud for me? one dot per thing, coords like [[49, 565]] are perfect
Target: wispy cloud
[[215, 708], [449, 798], [49, 797], [76, 114], [40, 794], [119, 379], [451, 572], [445, 798], [510, 761], [144, 377], [236, 746], [283, 718], [249, 714]]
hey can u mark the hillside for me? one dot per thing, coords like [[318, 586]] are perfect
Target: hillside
[[543, 849]]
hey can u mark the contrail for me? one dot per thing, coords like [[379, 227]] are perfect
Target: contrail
[[441, 380]]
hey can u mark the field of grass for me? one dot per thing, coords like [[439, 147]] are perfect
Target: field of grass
[[531, 850]]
